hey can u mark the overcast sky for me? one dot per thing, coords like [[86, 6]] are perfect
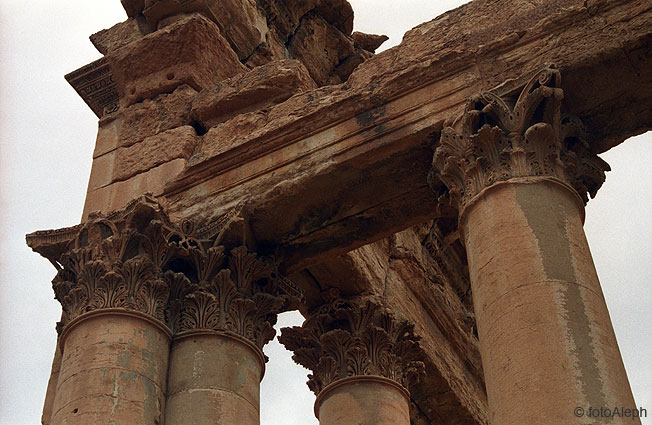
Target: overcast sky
[[47, 135]]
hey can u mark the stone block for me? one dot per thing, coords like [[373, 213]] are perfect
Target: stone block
[[228, 135], [284, 15], [118, 194], [108, 136], [117, 36], [133, 7], [240, 21], [101, 171], [368, 42], [153, 116], [338, 13], [261, 87], [190, 51], [320, 46], [153, 151], [270, 50]]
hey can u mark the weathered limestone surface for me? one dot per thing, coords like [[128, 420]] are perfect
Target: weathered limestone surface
[[260, 88], [214, 378], [312, 173], [331, 182], [402, 273], [520, 172], [118, 35], [358, 401], [114, 368], [158, 63], [539, 302], [135, 288], [320, 46]]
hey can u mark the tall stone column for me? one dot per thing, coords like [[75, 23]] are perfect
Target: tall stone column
[[221, 323], [519, 176], [161, 324], [362, 359], [114, 342]]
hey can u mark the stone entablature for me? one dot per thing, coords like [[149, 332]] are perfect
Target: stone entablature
[[347, 338], [137, 260], [503, 137]]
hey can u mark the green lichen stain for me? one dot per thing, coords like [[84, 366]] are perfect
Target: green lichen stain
[[146, 353], [151, 404], [124, 359], [548, 223]]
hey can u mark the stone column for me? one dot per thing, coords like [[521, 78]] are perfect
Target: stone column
[[221, 324], [519, 175], [114, 342], [362, 359]]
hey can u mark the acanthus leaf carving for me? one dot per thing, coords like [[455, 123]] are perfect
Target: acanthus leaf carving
[[347, 338], [499, 138], [241, 299], [138, 260]]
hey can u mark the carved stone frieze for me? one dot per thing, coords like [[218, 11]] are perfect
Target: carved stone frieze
[[502, 137], [347, 338], [94, 83], [138, 260]]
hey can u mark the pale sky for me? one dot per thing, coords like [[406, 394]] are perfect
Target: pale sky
[[47, 135]]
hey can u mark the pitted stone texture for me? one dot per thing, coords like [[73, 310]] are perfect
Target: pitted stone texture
[[113, 370], [263, 86], [152, 116], [118, 35], [320, 46], [241, 21], [368, 42], [190, 51], [133, 7], [153, 151], [364, 403], [213, 379]]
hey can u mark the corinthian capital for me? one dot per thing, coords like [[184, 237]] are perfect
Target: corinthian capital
[[503, 137], [346, 338], [137, 260], [234, 292]]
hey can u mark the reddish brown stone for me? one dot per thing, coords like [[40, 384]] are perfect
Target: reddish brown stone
[[338, 13], [368, 42], [260, 88], [133, 7], [117, 195], [241, 22], [270, 50], [153, 151], [117, 36], [152, 116], [320, 46], [190, 51]]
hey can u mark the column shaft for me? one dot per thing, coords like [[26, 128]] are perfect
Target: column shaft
[[363, 400], [113, 370], [214, 378], [546, 339]]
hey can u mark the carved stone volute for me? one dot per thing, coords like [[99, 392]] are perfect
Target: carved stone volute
[[137, 260], [501, 137], [354, 338]]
